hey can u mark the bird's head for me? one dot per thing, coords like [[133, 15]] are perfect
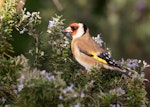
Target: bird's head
[[76, 29]]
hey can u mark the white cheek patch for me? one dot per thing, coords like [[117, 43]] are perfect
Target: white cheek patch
[[79, 32]]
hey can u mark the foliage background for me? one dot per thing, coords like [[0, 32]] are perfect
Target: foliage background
[[124, 25]]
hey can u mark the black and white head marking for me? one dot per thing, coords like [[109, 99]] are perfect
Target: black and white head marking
[[81, 30]]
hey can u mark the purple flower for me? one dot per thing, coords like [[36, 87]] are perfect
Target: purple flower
[[52, 22], [15, 91], [141, 4], [69, 88], [20, 87], [50, 77], [43, 72], [21, 82], [82, 94], [47, 75], [60, 97], [133, 64], [98, 39], [68, 34], [3, 100]]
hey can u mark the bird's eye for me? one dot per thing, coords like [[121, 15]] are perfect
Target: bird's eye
[[74, 28]]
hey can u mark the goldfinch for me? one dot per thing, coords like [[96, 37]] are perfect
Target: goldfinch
[[89, 53]]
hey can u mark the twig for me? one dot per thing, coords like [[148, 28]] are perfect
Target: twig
[[58, 5]]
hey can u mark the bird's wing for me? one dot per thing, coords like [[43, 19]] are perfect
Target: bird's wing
[[92, 49], [110, 61], [86, 43]]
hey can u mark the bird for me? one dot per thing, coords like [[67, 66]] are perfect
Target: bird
[[88, 52]]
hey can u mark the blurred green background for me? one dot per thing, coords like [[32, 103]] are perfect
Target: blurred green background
[[124, 25]]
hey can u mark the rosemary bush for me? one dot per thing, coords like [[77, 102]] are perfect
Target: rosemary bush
[[50, 77]]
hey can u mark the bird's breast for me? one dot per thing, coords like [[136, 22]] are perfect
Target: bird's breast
[[81, 58]]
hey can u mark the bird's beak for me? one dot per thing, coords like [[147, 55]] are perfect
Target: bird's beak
[[68, 29]]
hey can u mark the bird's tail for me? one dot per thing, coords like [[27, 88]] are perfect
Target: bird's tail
[[125, 71], [128, 72]]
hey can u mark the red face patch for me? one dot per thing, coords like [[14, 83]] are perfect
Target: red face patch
[[74, 27], [74, 32]]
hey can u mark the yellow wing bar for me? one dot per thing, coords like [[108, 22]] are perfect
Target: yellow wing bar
[[99, 59], [94, 55]]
